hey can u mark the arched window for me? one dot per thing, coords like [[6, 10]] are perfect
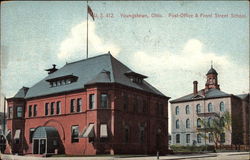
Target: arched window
[[198, 123], [210, 137], [198, 138], [187, 109], [222, 137], [177, 138], [209, 122], [210, 107], [187, 123], [222, 107], [222, 122], [198, 108], [177, 110], [177, 124]]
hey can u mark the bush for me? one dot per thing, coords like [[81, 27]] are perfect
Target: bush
[[179, 148]]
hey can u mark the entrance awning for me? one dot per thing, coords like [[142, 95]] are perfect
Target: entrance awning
[[17, 134], [89, 132], [104, 131], [45, 132]]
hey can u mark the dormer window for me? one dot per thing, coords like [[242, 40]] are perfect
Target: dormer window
[[64, 80], [68, 81], [135, 77]]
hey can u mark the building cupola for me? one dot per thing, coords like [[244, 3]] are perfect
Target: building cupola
[[212, 71], [212, 79]]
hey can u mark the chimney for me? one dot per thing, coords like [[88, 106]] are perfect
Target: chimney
[[195, 87]]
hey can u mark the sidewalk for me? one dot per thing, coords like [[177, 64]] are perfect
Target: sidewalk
[[125, 157]]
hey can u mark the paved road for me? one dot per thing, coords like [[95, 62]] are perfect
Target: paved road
[[208, 156]]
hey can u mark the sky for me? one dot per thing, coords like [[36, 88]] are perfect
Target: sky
[[173, 48]]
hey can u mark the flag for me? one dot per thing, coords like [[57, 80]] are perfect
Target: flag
[[90, 12]]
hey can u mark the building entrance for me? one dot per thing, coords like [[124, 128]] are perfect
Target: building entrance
[[39, 146], [45, 140]]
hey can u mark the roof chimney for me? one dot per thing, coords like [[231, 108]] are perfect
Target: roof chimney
[[195, 87]]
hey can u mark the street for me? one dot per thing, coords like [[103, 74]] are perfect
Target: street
[[207, 156]]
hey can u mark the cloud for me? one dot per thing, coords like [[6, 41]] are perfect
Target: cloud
[[193, 46], [74, 46], [173, 73]]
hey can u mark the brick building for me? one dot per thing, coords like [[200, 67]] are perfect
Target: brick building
[[92, 106], [188, 112]]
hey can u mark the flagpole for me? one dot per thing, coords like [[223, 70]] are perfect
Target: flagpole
[[87, 47], [4, 118]]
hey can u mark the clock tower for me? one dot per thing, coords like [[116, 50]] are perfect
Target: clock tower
[[212, 79]]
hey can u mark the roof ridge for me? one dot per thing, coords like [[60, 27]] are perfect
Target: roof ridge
[[112, 68], [87, 58]]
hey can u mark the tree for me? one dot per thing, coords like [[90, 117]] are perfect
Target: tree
[[218, 125]]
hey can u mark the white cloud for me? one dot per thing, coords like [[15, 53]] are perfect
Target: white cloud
[[74, 46], [173, 73], [193, 46]]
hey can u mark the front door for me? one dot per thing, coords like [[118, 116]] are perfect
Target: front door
[[42, 146], [35, 146], [39, 146]]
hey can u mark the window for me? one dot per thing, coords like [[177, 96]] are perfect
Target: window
[[177, 125], [103, 131], [68, 81], [222, 107], [72, 105], [187, 109], [104, 100], [19, 111], [222, 137], [74, 134], [187, 123], [126, 135], [32, 130], [142, 135], [125, 105], [198, 108], [177, 110], [52, 108], [198, 123], [35, 110], [210, 137], [63, 82], [209, 122], [30, 110], [46, 109], [198, 138], [210, 107], [10, 115], [187, 138], [135, 105], [177, 138], [222, 122], [58, 107], [91, 101], [79, 105], [54, 84]]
